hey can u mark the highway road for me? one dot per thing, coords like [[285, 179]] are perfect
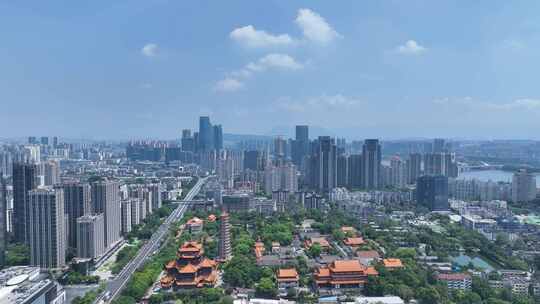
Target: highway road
[[115, 285]]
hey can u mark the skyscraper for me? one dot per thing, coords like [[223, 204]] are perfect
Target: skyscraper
[[432, 192], [217, 139], [371, 163], [156, 195], [438, 145], [24, 180], [280, 146], [188, 142], [51, 173], [224, 248], [523, 186], [46, 228], [323, 164], [252, 160], [355, 171], [106, 200], [206, 134], [45, 140], [342, 170], [126, 217], [414, 167], [76, 204], [300, 147]]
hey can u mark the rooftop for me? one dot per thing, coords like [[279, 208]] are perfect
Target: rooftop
[[20, 283], [392, 263]]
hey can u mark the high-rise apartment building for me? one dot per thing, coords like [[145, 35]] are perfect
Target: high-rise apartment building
[[106, 200], [398, 172], [300, 148], [188, 142], [432, 192], [217, 139], [282, 177], [126, 217], [371, 164], [342, 170], [323, 164], [51, 173], [439, 146], [46, 228], [135, 211], [90, 234], [253, 160], [523, 186], [414, 167], [355, 171], [224, 248], [24, 180], [76, 204], [155, 190]]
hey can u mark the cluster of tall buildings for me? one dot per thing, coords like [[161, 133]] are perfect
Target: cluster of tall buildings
[[51, 217]]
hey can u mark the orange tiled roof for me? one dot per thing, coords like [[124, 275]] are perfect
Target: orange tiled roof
[[188, 269], [354, 241], [287, 273], [323, 272], [392, 263], [206, 262], [259, 249], [211, 218], [347, 266], [319, 240], [372, 271]]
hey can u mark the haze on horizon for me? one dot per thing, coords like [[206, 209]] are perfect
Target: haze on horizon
[[390, 69]]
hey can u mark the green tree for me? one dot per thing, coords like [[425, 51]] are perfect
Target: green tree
[[428, 295], [266, 288], [315, 250]]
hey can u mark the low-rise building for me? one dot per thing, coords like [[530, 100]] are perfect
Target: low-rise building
[[287, 278], [194, 225], [317, 240], [27, 285], [343, 274], [461, 281], [379, 300], [354, 241], [392, 263]]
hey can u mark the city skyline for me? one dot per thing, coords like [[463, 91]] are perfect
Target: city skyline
[[361, 70]]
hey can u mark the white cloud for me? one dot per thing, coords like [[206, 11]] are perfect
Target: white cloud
[[228, 85], [411, 47], [250, 37], [274, 61], [150, 50], [278, 61], [314, 27]]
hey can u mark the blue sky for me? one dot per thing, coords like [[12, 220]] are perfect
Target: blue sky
[[390, 69]]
